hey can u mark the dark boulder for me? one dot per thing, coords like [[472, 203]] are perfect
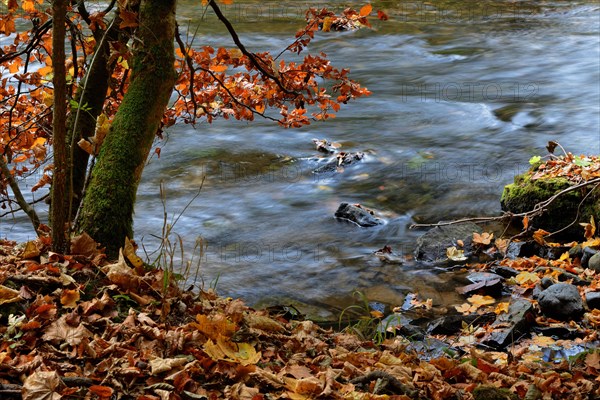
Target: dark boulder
[[561, 301]]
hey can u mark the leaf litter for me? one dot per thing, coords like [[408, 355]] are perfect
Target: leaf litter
[[76, 326]]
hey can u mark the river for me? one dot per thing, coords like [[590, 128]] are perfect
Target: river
[[464, 93]]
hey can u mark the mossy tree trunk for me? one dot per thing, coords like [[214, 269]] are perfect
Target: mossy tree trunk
[[107, 211]]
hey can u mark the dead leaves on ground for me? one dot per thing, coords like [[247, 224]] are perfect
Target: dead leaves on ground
[[102, 324]]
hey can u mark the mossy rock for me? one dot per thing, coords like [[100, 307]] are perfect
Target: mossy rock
[[522, 196], [486, 392]]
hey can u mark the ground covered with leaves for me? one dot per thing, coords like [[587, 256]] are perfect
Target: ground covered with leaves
[[79, 327]]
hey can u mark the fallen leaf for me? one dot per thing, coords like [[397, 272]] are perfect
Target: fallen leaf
[[8, 295], [479, 300], [455, 255], [60, 331], [42, 385], [104, 392], [69, 298], [484, 238], [224, 349]]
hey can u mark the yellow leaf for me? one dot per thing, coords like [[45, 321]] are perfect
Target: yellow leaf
[[543, 341], [455, 255], [129, 252], [564, 256], [502, 308], [365, 10], [479, 300], [226, 350], [45, 70], [526, 278], [590, 229]]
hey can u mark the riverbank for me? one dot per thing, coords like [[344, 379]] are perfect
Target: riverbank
[[78, 326]]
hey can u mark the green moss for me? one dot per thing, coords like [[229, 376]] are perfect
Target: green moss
[[486, 392], [524, 194]]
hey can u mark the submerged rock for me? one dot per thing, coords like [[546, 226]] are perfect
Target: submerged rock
[[431, 246], [340, 160], [561, 301], [357, 214]]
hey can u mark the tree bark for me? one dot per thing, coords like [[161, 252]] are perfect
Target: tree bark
[[60, 198], [107, 211], [92, 93]]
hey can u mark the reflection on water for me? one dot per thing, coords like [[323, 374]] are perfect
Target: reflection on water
[[464, 93]]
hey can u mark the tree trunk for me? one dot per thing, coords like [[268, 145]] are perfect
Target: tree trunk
[[107, 212], [60, 198], [92, 93]]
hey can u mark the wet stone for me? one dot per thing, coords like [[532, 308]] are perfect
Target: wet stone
[[452, 324], [593, 300], [561, 301], [505, 272], [508, 328], [520, 249], [431, 246], [484, 283], [594, 263], [357, 214], [586, 255]]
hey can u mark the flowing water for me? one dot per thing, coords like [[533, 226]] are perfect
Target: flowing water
[[464, 93]]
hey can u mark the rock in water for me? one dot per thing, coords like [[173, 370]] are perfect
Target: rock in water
[[357, 214], [431, 247], [561, 301]]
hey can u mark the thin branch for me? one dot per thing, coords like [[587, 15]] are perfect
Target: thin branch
[[190, 65], [33, 217], [243, 49], [33, 42]]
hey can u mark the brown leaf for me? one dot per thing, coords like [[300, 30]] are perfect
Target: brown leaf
[[42, 385], [84, 245], [61, 331], [8, 295]]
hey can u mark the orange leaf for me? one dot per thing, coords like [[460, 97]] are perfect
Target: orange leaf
[[69, 298], [538, 236], [104, 392], [525, 222], [365, 10], [218, 68]]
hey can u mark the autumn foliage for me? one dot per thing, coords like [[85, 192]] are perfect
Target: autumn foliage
[[212, 82]]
